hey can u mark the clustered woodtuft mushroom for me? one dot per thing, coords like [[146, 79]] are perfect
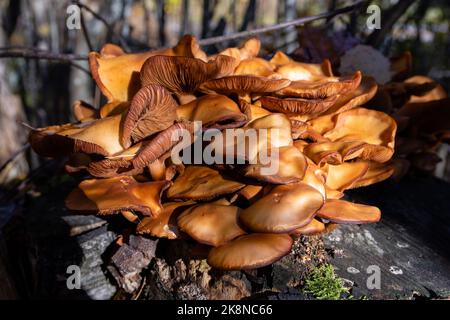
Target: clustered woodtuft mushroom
[[326, 142]]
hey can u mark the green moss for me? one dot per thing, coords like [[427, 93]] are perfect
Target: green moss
[[323, 284]]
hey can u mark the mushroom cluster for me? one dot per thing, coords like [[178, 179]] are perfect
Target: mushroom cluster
[[326, 142]]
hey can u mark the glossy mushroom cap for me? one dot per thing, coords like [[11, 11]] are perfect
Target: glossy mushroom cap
[[285, 208], [199, 182], [341, 211], [211, 224], [251, 251]]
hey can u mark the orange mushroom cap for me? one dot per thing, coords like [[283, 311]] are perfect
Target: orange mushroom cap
[[199, 182], [107, 196], [211, 224], [341, 211], [283, 209], [250, 251]]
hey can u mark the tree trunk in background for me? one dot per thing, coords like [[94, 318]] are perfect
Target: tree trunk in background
[[250, 15], [206, 17], [184, 27], [160, 11], [14, 135]]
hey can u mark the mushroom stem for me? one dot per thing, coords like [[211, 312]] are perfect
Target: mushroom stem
[[157, 170], [130, 216], [246, 97]]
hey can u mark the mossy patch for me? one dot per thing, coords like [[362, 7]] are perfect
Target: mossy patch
[[323, 284]]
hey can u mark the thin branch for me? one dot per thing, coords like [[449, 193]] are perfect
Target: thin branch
[[296, 22], [33, 54], [85, 32]]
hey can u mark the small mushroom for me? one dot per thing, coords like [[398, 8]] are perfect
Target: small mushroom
[[250, 251], [211, 224], [201, 183], [283, 209], [340, 211], [113, 195], [152, 110]]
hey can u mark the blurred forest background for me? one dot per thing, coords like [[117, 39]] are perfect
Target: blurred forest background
[[40, 92]]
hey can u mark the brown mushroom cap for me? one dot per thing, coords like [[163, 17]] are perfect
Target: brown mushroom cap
[[82, 111], [199, 182], [100, 137], [152, 110], [107, 196], [285, 208], [341, 211], [182, 75], [312, 107], [345, 175], [165, 224], [213, 110], [243, 84], [290, 163], [321, 87], [312, 228], [211, 224], [375, 128], [250, 251]]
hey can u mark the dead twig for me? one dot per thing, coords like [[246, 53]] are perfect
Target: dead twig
[[46, 55]]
